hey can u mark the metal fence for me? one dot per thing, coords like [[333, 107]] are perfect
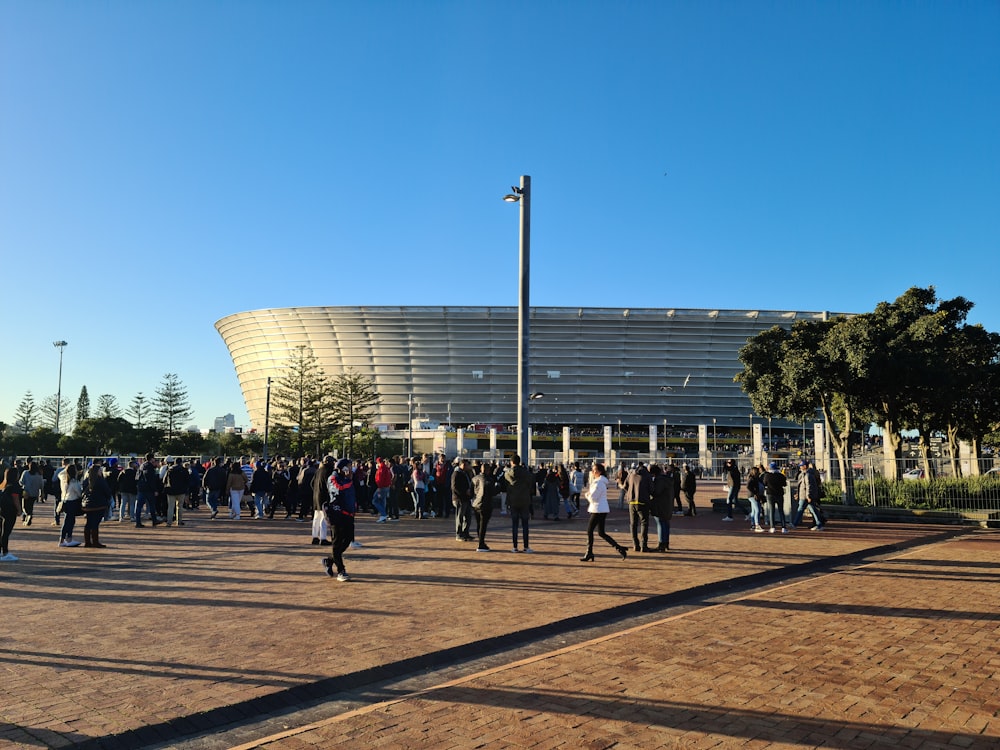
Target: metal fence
[[941, 493]]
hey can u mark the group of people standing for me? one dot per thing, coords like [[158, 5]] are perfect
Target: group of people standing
[[766, 495]]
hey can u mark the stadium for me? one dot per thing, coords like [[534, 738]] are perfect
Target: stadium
[[632, 368]]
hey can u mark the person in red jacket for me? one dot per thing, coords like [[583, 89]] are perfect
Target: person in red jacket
[[383, 481]]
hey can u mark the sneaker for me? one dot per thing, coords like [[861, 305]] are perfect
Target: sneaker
[[328, 564], [63, 543], [356, 545], [772, 530], [343, 577], [727, 518], [515, 549], [8, 558], [784, 530], [817, 527], [394, 520], [382, 519], [758, 530], [528, 550], [484, 548], [73, 543]]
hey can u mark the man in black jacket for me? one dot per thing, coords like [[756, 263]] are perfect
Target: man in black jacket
[[637, 494], [461, 499]]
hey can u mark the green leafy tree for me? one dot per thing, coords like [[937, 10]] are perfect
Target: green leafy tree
[[27, 414], [106, 435], [300, 399], [83, 405], [107, 407], [170, 405], [354, 401]]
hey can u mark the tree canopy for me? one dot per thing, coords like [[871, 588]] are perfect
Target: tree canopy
[[911, 364]]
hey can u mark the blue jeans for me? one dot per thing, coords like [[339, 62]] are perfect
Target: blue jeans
[[147, 499], [754, 511], [803, 504], [258, 500], [418, 510], [662, 531], [734, 493], [379, 500], [212, 498]]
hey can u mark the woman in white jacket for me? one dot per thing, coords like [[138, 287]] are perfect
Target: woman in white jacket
[[597, 498]]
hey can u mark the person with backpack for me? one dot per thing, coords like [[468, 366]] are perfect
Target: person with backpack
[[461, 499], [214, 483], [689, 484], [484, 489], [383, 481], [261, 487]]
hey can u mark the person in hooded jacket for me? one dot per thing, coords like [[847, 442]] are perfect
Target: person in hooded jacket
[[661, 489], [340, 510]]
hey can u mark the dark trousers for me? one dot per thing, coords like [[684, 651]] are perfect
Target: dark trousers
[[519, 517], [483, 516], [342, 533], [8, 515], [638, 516], [463, 509], [597, 522]]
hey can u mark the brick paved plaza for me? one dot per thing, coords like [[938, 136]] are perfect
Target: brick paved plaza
[[227, 634]]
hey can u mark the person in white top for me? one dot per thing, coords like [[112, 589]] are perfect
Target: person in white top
[[596, 494]]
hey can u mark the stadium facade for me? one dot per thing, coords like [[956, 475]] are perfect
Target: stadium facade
[[458, 365]]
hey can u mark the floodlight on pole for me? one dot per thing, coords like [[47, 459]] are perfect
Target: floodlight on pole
[[522, 196], [60, 345], [267, 415]]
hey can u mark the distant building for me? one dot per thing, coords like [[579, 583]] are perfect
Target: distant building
[[221, 423], [595, 366]]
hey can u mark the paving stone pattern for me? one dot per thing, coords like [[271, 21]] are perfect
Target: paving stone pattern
[[173, 634]]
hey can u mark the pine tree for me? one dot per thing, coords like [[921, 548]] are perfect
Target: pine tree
[[138, 410], [354, 401], [170, 406], [107, 407], [83, 405], [50, 409], [300, 398], [27, 414]]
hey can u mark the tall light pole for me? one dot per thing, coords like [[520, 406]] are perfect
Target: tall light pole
[[60, 345], [267, 415], [522, 195]]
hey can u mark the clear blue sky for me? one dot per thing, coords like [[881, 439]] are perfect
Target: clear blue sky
[[164, 164]]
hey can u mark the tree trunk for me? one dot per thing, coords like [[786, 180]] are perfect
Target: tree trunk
[[952, 435], [842, 447], [925, 454], [891, 443]]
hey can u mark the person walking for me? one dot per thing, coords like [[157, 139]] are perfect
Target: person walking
[[755, 490], [340, 510], [596, 495], [177, 485], [810, 490], [32, 483], [236, 485]]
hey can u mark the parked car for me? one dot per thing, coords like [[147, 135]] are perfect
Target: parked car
[[913, 474]]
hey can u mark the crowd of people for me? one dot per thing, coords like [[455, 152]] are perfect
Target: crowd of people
[[330, 493]]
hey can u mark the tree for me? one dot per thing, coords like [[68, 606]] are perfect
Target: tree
[[106, 435], [170, 406], [83, 405], [26, 415], [354, 401], [300, 398], [138, 410], [107, 407], [52, 409]]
